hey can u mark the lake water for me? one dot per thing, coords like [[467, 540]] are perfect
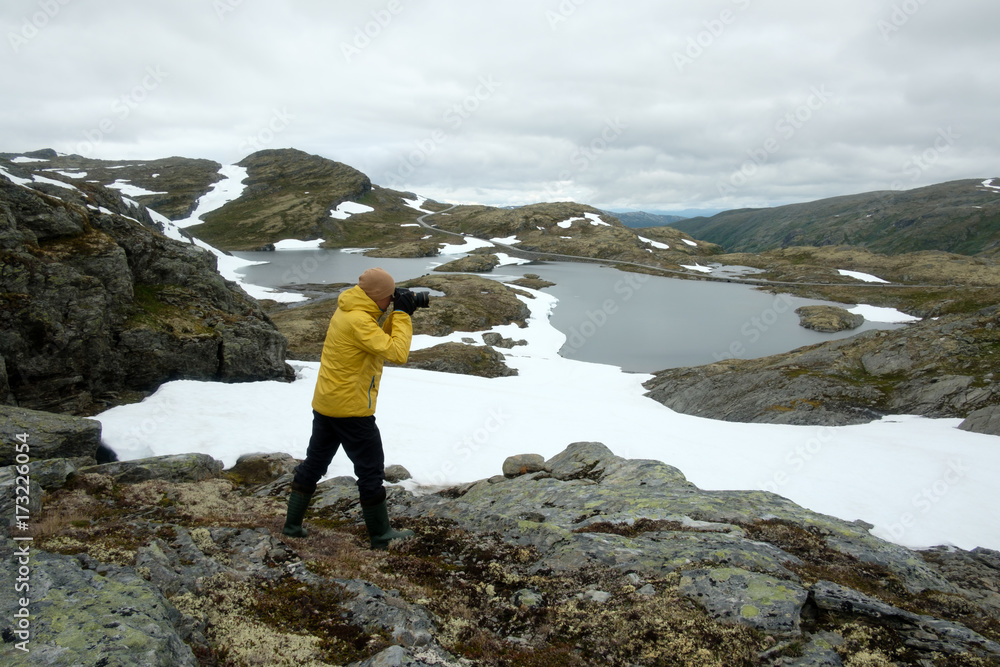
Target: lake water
[[640, 323]]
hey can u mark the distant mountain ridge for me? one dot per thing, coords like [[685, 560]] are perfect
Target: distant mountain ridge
[[291, 194], [637, 219], [961, 217]]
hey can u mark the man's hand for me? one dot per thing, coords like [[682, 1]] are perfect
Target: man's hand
[[402, 299]]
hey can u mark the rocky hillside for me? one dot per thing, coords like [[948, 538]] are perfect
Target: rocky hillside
[[289, 194], [584, 559], [96, 306], [961, 217], [642, 219], [567, 228], [176, 183], [943, 367]]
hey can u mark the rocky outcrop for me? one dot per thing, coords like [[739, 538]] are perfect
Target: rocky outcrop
[[828, 319], [937, 368], [586, 558], [94, 303], [470, 264], [479, 360]]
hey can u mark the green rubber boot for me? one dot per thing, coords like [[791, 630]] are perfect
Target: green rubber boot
[[298, 502], [379, 530]]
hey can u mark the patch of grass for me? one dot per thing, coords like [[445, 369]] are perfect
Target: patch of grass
[[293, 607], [166, 308], [635, 529]]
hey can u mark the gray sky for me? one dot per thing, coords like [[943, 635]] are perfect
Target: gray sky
[[633, 104]]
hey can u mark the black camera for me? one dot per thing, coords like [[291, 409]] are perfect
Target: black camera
[[419, 299]]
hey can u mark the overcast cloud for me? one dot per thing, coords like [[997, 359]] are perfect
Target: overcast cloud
[[637, 104]]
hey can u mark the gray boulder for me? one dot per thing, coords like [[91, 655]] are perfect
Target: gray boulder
[[258, 469], [984, 420], [397, 473], [523, 464], [49, 435]]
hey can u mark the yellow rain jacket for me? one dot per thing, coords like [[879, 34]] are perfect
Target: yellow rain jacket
[[355, 347]]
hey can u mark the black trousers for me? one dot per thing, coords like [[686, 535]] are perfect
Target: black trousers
[[363, 445]]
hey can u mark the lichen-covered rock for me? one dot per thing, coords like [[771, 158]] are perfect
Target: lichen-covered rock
[[828, 319], [925, 632], [169, 468], [82, 617], [733, 595], [592, 506], [48, 435]]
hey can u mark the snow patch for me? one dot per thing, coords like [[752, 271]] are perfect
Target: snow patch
[[690, 243], [127, 188], [470, 243], [879, 314], [295, 244], [507, 260], [229, 188], [52, 181], [698, 267], [416, 204], [595, 219], [866, 277], [346, 209], [655, 244]]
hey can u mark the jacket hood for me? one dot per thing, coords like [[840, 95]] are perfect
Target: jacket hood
[[356, 299]]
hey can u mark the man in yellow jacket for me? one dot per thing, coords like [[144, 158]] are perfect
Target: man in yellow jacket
[[361, 336]]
